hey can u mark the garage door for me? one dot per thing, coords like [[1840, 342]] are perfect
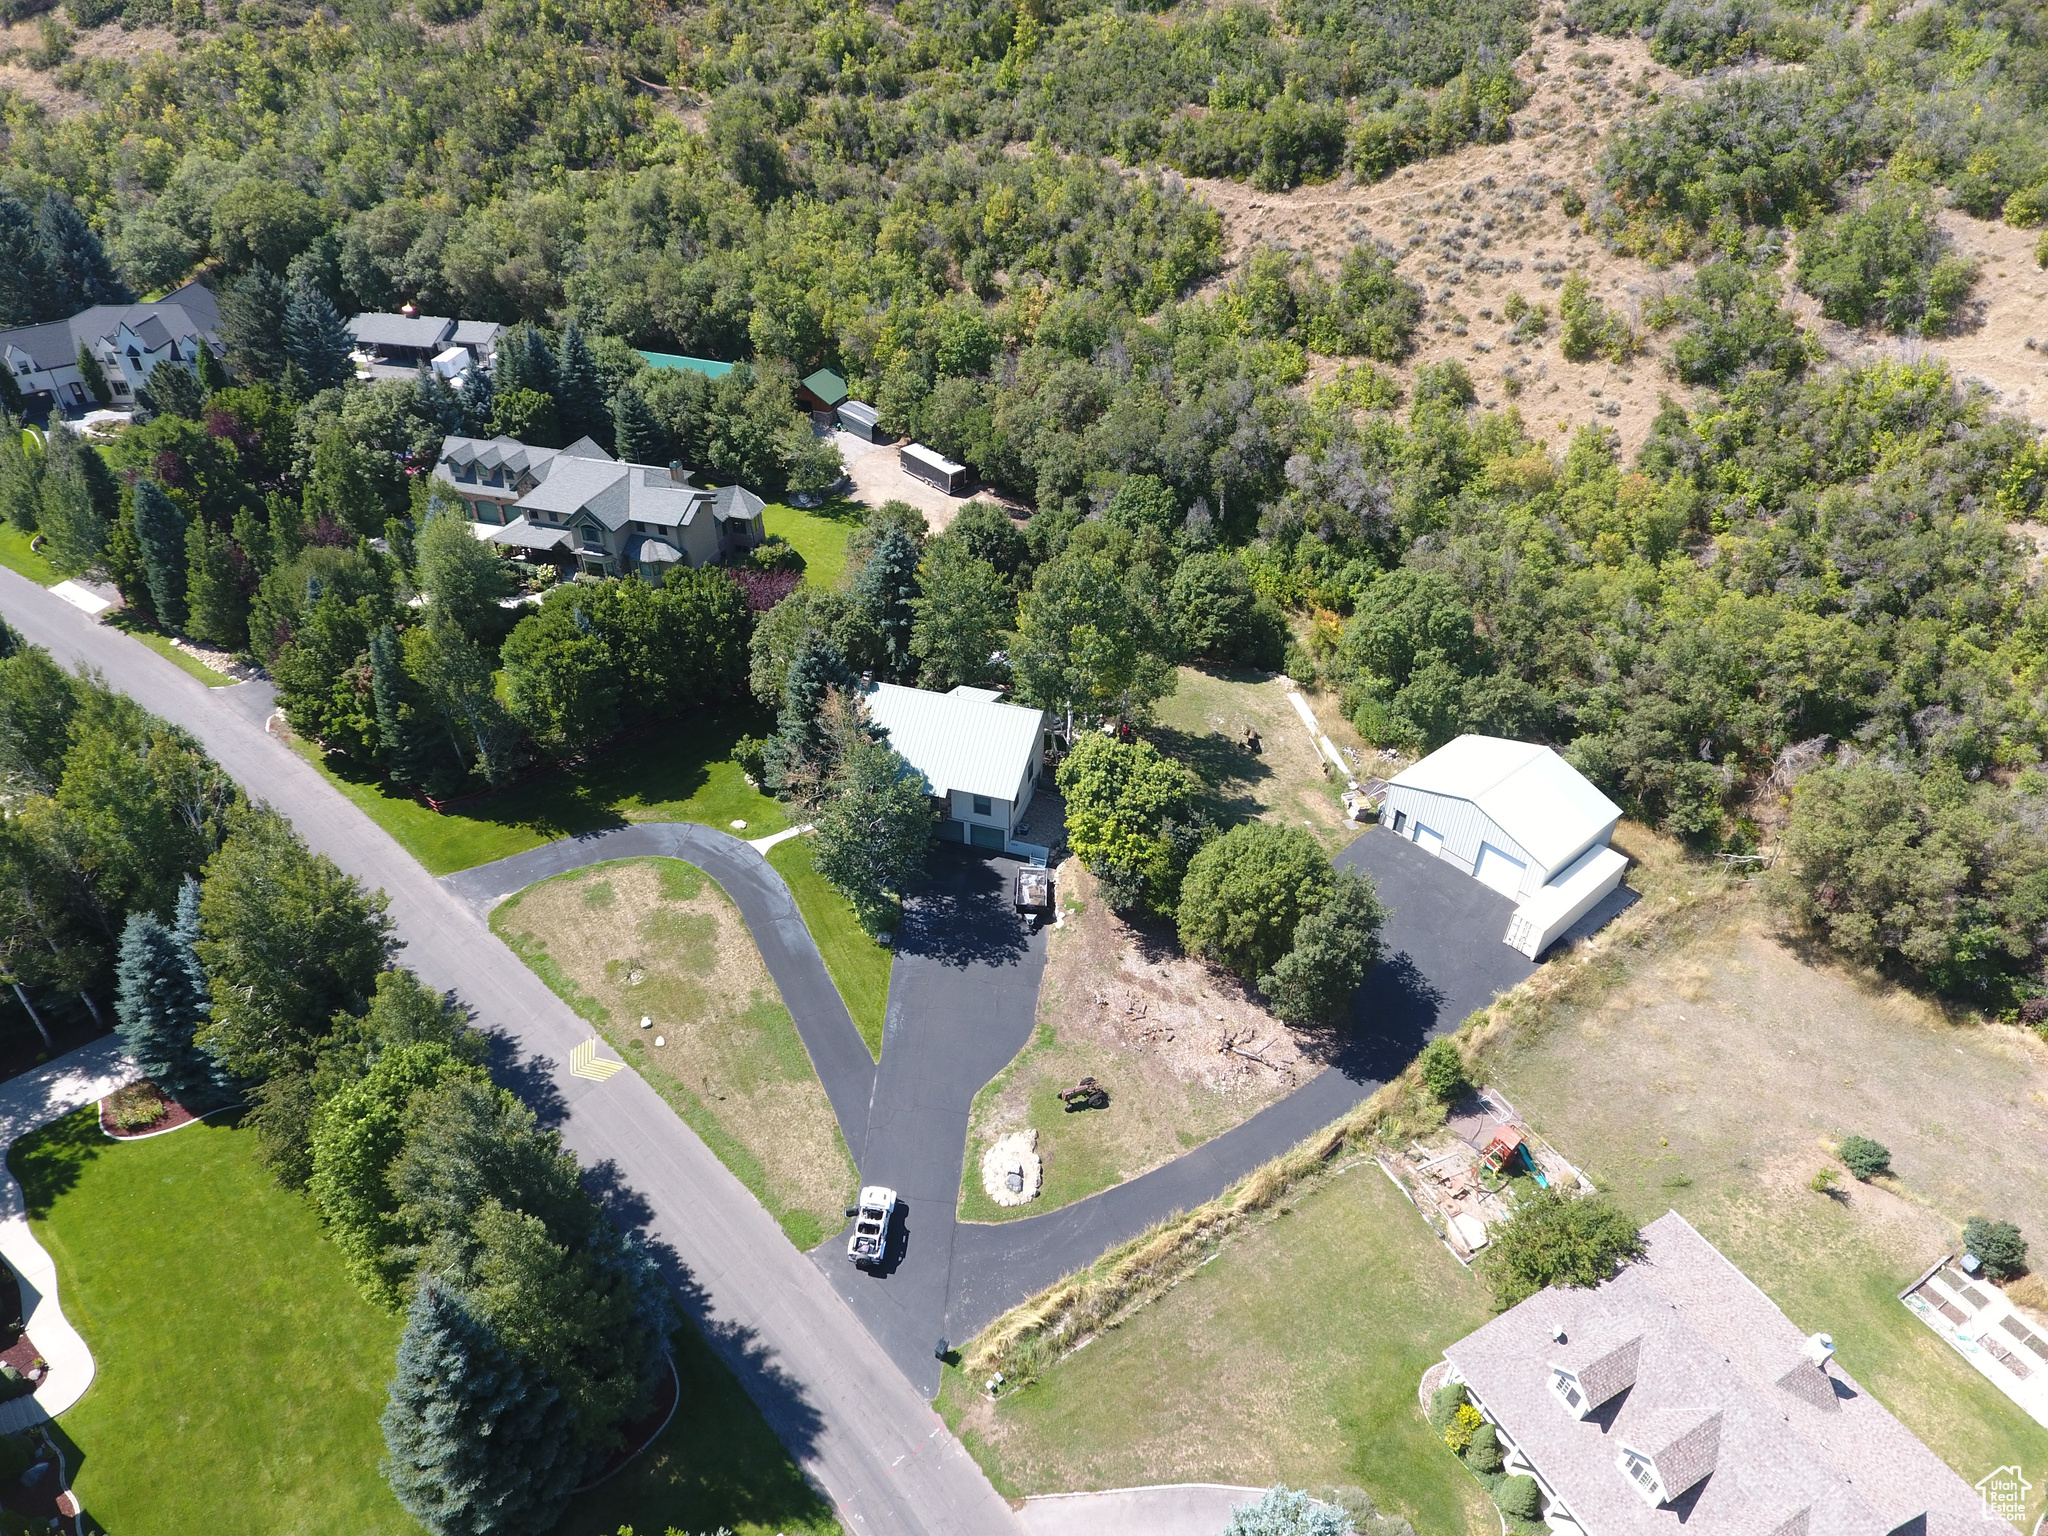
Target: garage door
[[1432, 841], [1499, 871], [987, 837]]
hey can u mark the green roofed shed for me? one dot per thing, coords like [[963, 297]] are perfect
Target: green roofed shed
[[823, 390], [703, 365]]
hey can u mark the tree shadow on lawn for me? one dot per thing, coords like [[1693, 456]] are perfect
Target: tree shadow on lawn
[[1227, 770], [48, 1162], [670, 763]]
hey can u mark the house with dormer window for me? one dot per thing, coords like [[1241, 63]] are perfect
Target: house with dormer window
[[128, 340], [583, 511], [1677, 1400]]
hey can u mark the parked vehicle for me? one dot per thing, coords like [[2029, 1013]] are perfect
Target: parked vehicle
[[871, 1219]]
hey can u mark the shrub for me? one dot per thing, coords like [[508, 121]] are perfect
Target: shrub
[[16, 1457], [1864, 1158], [1997, 1246], [1287, 1512], [1444, 1404], [1519, 1498], [1334, 947], [137, 1105], [1372, 311], [1823, 1182], [1733, 323], [1246, 892], [1465, 1422], [1591, 329], [13, 1384], [2027, 207], [1885, 262], [1483, 1454], [1558, 1239], [1443, 1070]]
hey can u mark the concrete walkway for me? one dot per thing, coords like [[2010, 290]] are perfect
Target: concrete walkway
[[1178, 1509], [34, 1099]]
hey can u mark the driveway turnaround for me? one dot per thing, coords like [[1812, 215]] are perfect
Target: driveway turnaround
[[847, 1415], [1177, 1509], [836, 1048]]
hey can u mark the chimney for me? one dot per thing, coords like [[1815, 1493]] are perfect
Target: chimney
[[677, 473]]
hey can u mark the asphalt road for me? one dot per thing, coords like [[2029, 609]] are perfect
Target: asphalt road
[[852, 1420]]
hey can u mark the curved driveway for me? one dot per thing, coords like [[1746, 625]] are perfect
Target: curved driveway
[[828, 1390]]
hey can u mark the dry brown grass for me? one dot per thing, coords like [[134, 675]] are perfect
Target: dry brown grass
[[657, 939], [1123, 1005]]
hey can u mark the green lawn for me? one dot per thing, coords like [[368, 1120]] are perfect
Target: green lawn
[[17, 556], [1293, 1356], [239, 1374], [139, 629], [859, 966], [716, 1465], [682, 772], [819, 535]]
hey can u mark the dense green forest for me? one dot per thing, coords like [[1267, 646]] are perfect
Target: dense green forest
[[977, 214]]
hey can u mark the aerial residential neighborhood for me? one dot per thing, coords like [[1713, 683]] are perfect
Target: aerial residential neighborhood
[[1182, 770]]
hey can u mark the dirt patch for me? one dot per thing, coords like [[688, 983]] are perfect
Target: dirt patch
[[1475, 226], [1185, 1052], [657, 939]]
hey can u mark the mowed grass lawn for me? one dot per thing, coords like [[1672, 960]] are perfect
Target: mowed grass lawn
[[681, 772], [819, 535], [859, 966], [240, 1378], [17, 556], [1293, 1356], [137, 628]]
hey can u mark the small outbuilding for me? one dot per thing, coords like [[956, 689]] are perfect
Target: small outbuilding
[[1517, 818], [933, 467], [861, 419], [822, 391]]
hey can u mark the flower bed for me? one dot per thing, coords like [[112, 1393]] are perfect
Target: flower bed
[[141, 1109]]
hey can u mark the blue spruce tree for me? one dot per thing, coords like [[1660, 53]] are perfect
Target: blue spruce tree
[[24, 292], [315, 338], [160, 530], [478, 398], [479, 1442], [885, 588], [160, 1000]]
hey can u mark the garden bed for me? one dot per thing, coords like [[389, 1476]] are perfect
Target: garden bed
[[124, 1104]]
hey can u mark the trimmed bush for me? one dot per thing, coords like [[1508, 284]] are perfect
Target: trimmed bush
[[1558, 1239], [1465, 1423], [1519, 1498], [1444, 1404], [1443, 1071], [1997, 1245], [1863, 1157], [1483, 1454]]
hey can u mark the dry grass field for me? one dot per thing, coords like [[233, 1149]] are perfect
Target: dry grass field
[[657, 939]]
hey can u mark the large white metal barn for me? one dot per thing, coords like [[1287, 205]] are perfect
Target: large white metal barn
[[1518, 818]]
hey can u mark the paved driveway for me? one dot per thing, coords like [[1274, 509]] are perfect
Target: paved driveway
[[963, 998]]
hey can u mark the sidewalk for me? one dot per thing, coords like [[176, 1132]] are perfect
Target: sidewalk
[[1179, 1509], [35, 1098]]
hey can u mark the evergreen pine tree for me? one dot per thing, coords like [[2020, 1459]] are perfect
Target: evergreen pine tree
[[79, 502], [218, 608], [886, 589], [434, 401], [75, 264], [172, 390], [212, 376], [252, 326], [524, 362], [10, 397], [23, 292], [478, 399], [160, 1001], [160, 529], [403, 742], [93, 376], [637, 437], [21, 477], [800, 756], [479, 1442], [579, 394], [316, 338]]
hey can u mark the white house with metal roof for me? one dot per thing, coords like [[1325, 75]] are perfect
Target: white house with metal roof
[[579, 508], [1518, 818], [981, 757], [127, 339]]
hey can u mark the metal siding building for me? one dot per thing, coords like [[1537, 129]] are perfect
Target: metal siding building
[[1511, 814]]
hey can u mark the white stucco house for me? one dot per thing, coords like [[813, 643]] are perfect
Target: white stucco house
[[981, 758], [1518, 818], [127, 339]]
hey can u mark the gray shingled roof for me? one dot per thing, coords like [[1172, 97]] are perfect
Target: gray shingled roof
[[584, 478], [186, 312], [1710, 1390], [426, 332]]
